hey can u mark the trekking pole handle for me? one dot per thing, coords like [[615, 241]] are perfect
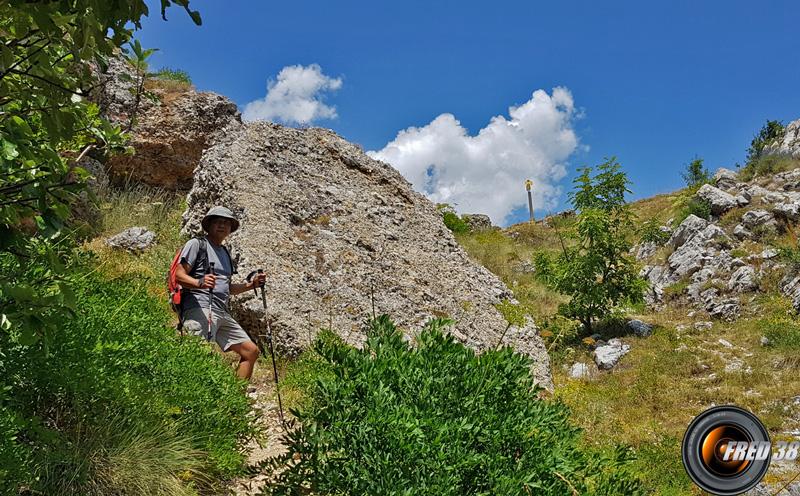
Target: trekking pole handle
[[250, 277]]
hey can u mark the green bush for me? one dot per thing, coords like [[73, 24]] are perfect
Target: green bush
[[116, 379], [696, 174], [167, 74], [651, 232], [767, 165], [436, 419], [693, 206], [451, 219], [769, 133]]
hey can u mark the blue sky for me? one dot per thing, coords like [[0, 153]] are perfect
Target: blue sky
[[654, 83]]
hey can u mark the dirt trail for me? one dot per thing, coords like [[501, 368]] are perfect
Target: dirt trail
[[270, 432]]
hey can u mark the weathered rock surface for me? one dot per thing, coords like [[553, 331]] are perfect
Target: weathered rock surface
[[609, 354], [478, 222], [169, 135], [580, 370], [134, 239], [790, 145], [332, 228], [719, 200], [639, 328], [725, 179]]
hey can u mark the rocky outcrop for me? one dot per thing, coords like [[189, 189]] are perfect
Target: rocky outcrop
[[790, 144], [169, 134], [134, 239], [719, 200], [339, 233], [478, 222]]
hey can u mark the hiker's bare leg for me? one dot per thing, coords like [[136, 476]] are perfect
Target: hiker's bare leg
[[248, 353]]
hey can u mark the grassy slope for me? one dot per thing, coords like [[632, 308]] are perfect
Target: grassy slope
[[650, 397]]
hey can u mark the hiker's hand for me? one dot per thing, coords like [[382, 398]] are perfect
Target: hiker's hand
[[209, 281], [259, 280]]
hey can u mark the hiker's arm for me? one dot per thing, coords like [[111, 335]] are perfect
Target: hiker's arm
[[247, 286], [187, 281]]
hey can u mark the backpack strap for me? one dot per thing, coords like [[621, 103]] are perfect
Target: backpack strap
[[202, 255]]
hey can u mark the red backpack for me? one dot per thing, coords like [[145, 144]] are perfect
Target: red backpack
[[174, 288]]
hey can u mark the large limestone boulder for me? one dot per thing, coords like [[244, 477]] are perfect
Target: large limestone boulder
[[790, 145], [170, 131], [719, 200], [724, 179], [337, 231]]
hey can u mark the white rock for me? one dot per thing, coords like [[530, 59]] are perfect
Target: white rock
[[790, 211], [580, 370], [719, 200], [609, 354], [724, 178], [725, 343], [743, 279]]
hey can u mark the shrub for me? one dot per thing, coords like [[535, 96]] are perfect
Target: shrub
[[769, 133], [165, 73], [119, 375], [651, 232], [451, 219], [696, 174], [436, 419], [767, 165], [693, 206]]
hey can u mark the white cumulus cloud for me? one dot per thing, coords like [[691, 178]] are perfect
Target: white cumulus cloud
[[296, 96], [486, 173]]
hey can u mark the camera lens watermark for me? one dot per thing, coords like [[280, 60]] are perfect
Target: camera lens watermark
[[726, 450]]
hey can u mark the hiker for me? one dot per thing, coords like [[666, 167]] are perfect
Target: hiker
[[199, 286]]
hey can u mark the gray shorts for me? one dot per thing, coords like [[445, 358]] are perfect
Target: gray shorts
[[224, 330]]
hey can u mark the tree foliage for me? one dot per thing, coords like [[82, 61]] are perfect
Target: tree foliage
[[596, 271], [769, 133], [696, 174], [435, 419], [50, 53]]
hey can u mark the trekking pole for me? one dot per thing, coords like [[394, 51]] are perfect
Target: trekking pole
[[210, 303], [271, 345]]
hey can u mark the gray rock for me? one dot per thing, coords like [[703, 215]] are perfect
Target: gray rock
[[759, 219], [790, 211], [580, 370], [790, 144], [741, 233], [703, 326], [645, 250], [478, 222], [725, 343], [719, 200], [328, 251], [742, 200], [135, 239], [790, 286], [743, 279], [690, 226], [640, 328], [768, 253], [724, 179], [725, 309], [765, 341], [608, 355]]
